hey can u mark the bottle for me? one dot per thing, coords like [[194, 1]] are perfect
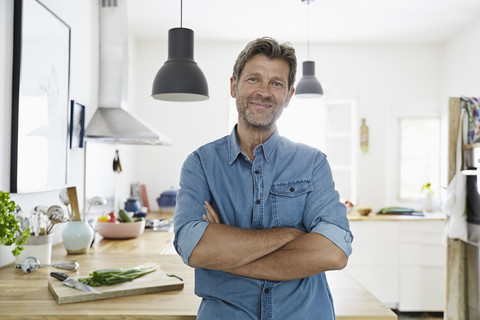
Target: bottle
[[364, 136]]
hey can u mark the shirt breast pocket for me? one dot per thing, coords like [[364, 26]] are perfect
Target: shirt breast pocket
[[288, 202]]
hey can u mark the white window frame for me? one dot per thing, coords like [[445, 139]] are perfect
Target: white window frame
[[392, 178]]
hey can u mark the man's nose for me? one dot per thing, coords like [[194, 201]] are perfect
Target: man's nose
[[264, 90]]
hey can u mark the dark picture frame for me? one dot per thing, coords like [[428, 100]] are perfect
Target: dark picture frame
[[40, 98], [77, 124]]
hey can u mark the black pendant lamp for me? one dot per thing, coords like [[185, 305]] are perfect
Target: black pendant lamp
[[180, 78], [308, 86]]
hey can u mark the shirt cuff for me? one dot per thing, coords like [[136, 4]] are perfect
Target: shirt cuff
[[340, 237], [188, 238]]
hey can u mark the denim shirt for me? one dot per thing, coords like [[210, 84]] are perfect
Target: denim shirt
[[287, 185]]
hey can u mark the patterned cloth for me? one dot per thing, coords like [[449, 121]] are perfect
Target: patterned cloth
[[472, 106]]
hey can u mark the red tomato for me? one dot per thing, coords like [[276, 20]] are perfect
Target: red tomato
[[112, 217]]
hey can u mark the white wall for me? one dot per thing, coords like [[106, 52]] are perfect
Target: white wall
[[82, 17], [461, 64]]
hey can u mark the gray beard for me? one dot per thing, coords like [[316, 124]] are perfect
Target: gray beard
[[251, 120]]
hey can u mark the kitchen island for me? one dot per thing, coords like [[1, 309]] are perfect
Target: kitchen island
[[26, 296]]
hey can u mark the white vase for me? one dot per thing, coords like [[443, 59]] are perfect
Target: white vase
[[77, 237], [428, 203]]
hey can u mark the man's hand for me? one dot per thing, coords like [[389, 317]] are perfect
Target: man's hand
[[210, 216]]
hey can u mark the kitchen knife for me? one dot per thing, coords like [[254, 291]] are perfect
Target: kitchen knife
[[72, 283]]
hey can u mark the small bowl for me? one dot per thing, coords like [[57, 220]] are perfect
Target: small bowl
[[122, 230], [364, 211]]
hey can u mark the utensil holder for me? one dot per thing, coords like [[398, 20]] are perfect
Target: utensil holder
[[39, 247], [77, 237]]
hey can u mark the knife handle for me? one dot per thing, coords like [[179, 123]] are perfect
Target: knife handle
[[59, 275]]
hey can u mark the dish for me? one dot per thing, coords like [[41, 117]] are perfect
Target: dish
[[123, 230], [364, 211]]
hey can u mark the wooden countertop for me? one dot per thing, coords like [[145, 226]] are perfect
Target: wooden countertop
[[26, 296], [355, 216]]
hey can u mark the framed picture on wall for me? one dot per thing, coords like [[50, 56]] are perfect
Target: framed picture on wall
[[40, 98], [77, 124]]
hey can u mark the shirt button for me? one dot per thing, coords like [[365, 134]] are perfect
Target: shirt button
[[258, 201], [292, 189], [267, 290], [257, 172]]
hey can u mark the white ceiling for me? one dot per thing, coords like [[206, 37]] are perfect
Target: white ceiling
[[331, 21]]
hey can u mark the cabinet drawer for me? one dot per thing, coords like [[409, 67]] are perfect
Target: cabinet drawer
[[375, 231], [374, 254], [423, 254], [426, 237], [422, 288], [435, 227]]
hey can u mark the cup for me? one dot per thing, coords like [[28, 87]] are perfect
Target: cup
[[77, 237], [39, 247]]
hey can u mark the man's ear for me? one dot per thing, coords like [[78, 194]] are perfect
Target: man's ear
[[289, 96], [233, 87]]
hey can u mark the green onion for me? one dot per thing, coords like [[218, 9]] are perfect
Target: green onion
[[110, 276]]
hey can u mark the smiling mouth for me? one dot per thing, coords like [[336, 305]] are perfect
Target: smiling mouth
[[259, 104]]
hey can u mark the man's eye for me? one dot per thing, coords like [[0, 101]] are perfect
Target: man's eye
[[252, 79], [277, 84]]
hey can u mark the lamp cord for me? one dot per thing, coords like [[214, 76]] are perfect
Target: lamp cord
[[308, 30], [181, 13]]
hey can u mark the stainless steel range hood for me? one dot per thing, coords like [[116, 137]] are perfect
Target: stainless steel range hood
[[118, 126], [111, 122]]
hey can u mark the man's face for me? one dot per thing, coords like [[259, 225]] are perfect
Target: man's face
[[261, 92]]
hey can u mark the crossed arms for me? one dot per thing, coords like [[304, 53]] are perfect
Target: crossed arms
[[276, 254]]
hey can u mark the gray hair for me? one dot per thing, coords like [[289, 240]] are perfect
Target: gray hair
[[271, 49]]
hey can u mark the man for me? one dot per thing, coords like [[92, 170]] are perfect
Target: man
[[257, 216]]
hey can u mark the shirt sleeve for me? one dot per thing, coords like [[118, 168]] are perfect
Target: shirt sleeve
[[324, 213], [189, 224]]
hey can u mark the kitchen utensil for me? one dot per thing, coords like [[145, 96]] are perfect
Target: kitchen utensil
[[153, 282], [72, 283], [72, 197], [133, 204], [63, 196], [24, 223], [117, 166], [31, 264], [55, 219], [95, 201], [167, 199]]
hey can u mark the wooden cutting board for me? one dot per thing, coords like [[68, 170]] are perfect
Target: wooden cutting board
[[156, 281]]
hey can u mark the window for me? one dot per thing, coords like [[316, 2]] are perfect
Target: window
[[419, 156]]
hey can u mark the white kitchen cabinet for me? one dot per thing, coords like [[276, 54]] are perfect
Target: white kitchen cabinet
[[422, 266], [402, 262]]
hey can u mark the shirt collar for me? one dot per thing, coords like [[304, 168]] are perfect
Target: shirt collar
[[267, 147]]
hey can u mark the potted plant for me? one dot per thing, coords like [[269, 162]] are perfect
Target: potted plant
[[9, 226], [428, 202]]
